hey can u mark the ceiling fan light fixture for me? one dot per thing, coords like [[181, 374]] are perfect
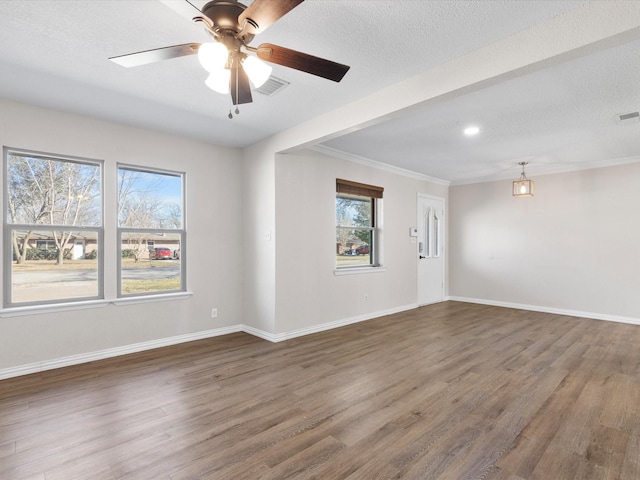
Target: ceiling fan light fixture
[[218, 80], [213, 56], [257, 70]]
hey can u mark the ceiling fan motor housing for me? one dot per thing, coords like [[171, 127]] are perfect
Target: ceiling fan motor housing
[[224, 15]]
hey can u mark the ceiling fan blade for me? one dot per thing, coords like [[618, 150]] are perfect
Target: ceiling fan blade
[[240, 87], [156, 55], [302, 61], [263, 13], [184, 8]]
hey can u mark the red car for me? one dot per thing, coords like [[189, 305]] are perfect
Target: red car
[[362, 250], [161, 253]]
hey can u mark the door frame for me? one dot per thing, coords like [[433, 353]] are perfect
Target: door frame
[[443, 240]]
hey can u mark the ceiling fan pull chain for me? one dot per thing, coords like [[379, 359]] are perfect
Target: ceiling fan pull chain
[[236, 66]]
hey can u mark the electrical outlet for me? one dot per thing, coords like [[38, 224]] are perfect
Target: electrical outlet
[[366, 297], [214, 313]]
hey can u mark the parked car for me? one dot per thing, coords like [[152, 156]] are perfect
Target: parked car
[[161, 254], [362, 250]]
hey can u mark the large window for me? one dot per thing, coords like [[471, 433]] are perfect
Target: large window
[[150, 231], [53, 233], [358, 208]]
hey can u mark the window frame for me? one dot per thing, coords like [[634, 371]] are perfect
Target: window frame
[[155, 231], [350, 189], [9, 229]]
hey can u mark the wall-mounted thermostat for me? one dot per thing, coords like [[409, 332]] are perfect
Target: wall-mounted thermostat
[[413, 232]]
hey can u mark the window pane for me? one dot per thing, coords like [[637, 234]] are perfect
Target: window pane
[[150, 262], [436, 235], [54, 265], [353, 247], [427, 232], [353, 211], [149, 199], [49, 191]]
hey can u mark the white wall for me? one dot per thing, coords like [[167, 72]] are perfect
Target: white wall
[[575, 246], [308, 294], [259, 239], [214, 261]]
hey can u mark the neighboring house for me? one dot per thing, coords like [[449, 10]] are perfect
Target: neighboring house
[[82, 246]]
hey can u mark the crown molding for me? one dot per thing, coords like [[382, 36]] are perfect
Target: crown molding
[[333, 152]]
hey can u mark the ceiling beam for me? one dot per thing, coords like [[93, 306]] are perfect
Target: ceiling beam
[[590, 28]]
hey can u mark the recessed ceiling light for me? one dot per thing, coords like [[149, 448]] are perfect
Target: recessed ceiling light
[[471, 131]]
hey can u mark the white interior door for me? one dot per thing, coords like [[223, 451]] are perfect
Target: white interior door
[[431, 251]]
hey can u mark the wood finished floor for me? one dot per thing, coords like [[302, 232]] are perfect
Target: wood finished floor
[[450, 391]]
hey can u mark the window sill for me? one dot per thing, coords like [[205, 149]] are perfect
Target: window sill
[[151, 298], [358, 270], [70, 306], [52, 308]]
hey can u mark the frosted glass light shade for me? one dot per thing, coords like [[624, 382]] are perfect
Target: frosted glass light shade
[[523, 188], [257, 70], [213, 56], [218, 80]]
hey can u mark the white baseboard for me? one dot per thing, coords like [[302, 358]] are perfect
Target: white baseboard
[[280, 337], [189, 337], [114, 352], [277, 337], [557, 311], [165, 342]]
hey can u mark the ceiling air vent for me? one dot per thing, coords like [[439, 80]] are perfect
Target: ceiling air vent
[[272, 86], [625, 118]]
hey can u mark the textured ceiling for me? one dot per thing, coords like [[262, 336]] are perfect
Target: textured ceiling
[[557, 119], [54, 54]]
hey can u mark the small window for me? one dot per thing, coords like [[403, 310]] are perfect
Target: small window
[[151, 231], [436, 234], [45, 245], [357, 219], [427, 232], [53, 229]]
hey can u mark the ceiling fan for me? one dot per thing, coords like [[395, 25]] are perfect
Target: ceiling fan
[[232, 27]]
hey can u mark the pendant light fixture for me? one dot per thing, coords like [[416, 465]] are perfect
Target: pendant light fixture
[[523, 187]]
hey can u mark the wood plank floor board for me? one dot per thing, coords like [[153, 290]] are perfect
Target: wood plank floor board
[[496, 473], [631, 465], [449, 391], [480, 457], [273, 445], [7, 448], [531, 444]]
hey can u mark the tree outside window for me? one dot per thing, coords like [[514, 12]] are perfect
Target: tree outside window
[[151, 231], [52, 217]]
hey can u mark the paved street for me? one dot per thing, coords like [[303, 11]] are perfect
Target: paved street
[[54, 284], [67, 276]]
